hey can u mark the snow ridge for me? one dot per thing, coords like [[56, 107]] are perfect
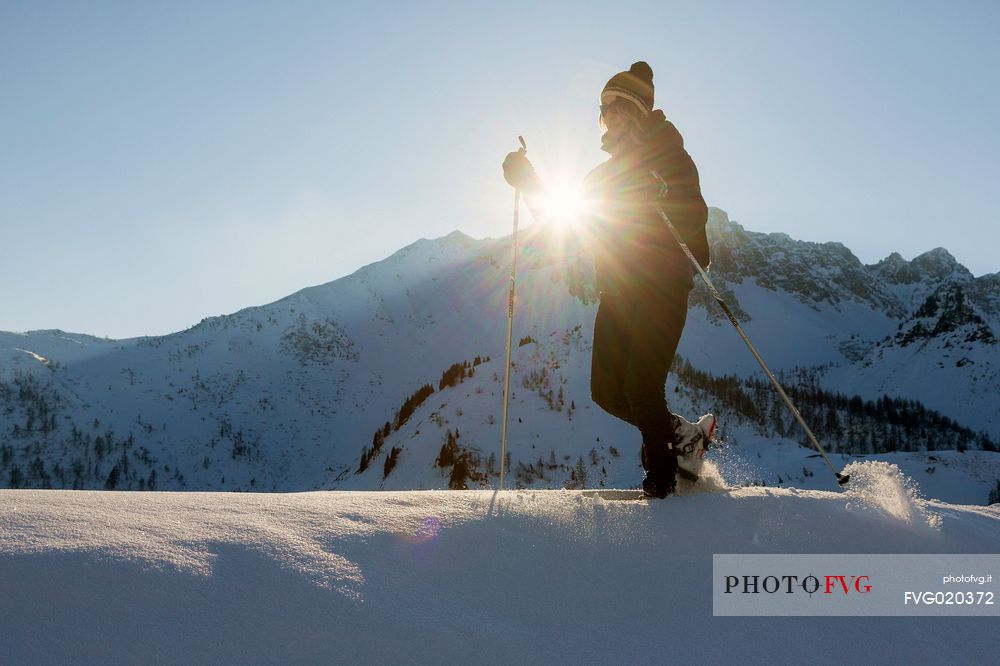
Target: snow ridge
[[426, 577]]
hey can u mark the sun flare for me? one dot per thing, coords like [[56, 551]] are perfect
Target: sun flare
[[562, 204]]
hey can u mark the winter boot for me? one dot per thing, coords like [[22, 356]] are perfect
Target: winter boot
[[663, 482], [654, 488], [692, 441]]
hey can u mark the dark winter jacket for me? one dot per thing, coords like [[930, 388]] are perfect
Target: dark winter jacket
[[633, 248]]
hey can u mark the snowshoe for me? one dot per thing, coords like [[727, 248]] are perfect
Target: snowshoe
[[691, 442]]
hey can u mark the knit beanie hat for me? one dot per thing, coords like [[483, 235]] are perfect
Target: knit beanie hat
[[635, 85]]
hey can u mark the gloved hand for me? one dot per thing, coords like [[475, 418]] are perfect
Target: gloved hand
[[519, 173]]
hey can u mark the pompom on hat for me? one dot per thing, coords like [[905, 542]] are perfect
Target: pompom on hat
[[635, 85]]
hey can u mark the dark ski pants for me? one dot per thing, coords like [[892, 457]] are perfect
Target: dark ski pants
[[635, 338]]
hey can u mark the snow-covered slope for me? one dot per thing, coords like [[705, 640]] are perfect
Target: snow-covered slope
[[438, 577], [286, 396], [923, 329]]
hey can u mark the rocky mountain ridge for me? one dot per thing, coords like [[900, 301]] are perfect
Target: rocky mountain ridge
[[285, 396]]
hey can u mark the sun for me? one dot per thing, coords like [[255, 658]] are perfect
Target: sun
[[562, 204]]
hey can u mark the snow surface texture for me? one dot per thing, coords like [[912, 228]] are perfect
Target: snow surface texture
[[439, 576]]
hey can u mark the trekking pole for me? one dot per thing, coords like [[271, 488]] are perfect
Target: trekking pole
[[510, 328], [841, 478]]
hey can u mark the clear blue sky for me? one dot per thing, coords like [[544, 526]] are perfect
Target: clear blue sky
[[164, 162]]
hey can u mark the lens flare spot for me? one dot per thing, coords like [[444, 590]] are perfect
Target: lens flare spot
[[428, 530]]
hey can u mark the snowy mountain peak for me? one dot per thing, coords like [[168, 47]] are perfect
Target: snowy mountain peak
[[457, 236], [932, 266], [453, 240], [940, 264]]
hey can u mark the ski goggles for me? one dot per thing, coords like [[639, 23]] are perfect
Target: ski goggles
[[619, 105]]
